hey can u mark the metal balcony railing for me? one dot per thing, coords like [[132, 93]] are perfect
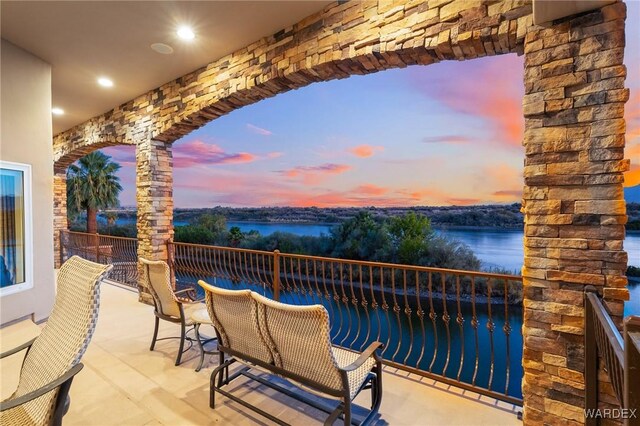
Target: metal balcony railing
[[620, 356], [458, 327], [121, 252], [463, 328]]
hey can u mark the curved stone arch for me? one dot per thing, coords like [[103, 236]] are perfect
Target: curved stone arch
[[67, 155], [574, 141], [343, 39], [64, 156]]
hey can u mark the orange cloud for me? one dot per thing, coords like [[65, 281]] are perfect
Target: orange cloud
[[501, 174], [509, 193], [370, 189], [351, 198], [364, 151], [498, 103], [463, 201], [311, 175], [632, 117], [632, 177]]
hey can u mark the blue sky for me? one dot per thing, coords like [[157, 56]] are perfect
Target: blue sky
[[443, 134]]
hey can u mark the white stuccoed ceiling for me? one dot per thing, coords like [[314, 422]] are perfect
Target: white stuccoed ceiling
[[84, 40]]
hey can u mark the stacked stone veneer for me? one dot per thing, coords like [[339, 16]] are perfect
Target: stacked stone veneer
[[154, 197], [574, 141], [573, 201], [59, 213]]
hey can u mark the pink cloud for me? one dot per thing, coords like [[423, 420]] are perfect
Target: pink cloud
[[493, 94], [196, 153], [125, 155], [311, 175], [276, 154], [365, 150], [259, 130]]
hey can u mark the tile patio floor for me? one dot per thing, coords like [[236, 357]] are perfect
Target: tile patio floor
[[123, 383]]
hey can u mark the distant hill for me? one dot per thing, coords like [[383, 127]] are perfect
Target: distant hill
[[632, 194], [493, 216]]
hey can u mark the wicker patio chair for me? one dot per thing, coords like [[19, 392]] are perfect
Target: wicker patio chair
[[53, 358], [294, 343], [180, 307]]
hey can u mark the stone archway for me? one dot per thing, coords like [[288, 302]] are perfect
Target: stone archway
[[574, 144], [66, 153]]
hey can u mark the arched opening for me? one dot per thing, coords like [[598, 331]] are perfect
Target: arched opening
[[574, 147], [271, 153], [65, 157]]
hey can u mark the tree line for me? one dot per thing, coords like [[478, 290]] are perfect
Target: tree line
[[406, 239]]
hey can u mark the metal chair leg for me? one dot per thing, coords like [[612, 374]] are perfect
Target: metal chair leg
[[212, 386], [347, 411], [222, 366], [214, 377], [200, 345], [155, 334], [182, 338]]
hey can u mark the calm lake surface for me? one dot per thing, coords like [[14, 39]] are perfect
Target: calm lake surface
[[496, 248], [456, 351]]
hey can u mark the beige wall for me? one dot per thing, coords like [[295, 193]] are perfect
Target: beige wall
[[25, 137]]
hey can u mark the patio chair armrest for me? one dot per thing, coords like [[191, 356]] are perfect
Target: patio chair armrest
[[189, 292], [12, 403], [17, 349], [366, 354]]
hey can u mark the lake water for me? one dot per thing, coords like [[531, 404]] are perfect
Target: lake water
[[496, 248], [458, 351], [311, 229]]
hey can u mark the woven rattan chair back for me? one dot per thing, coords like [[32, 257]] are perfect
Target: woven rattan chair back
[[299, 339], [63, 340], [234, 315], [156, 276]]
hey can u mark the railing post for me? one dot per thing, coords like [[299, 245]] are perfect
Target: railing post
[[590, 359], [276, 275], [632, 369], [61, 245], [171, 262], [97, 248]]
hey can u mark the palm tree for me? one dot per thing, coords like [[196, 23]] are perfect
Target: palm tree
[[92, 184], [112, 218]]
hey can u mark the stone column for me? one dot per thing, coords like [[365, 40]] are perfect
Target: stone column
[[59, 212], [573, 201], [154, 196]]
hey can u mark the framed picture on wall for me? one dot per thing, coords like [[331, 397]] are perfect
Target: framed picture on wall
[[16, 227]]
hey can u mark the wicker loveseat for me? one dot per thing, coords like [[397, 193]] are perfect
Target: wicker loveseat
[[292, 342]]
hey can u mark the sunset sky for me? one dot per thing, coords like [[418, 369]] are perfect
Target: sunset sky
[[443, 134]]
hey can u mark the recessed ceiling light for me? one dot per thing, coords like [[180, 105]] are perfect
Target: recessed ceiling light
[[57, 111], [185, 33], [165, 49], [105, 82]]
